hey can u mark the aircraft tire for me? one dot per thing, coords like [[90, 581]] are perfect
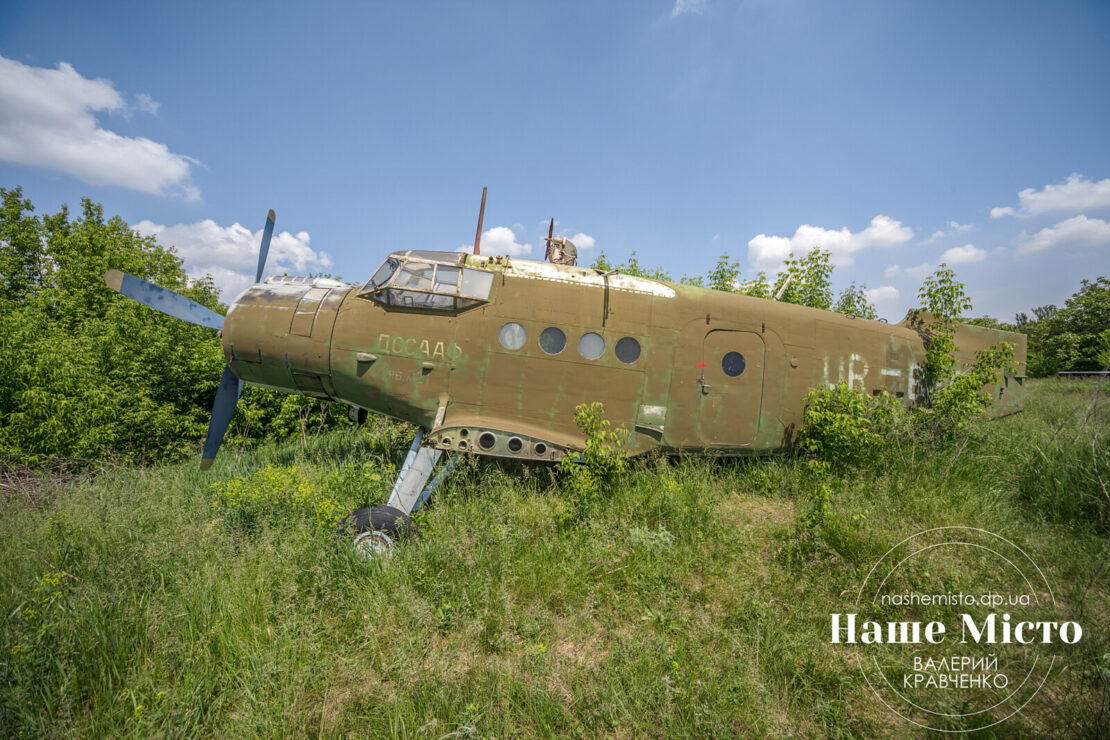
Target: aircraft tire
[[393, 522], [378, 528]]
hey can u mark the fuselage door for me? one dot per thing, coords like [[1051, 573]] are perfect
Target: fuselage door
[[731, 384]]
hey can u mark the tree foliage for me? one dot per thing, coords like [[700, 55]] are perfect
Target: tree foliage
[[853, 300], [88, 374], [945, 299], [1072, 337], [806, 280]]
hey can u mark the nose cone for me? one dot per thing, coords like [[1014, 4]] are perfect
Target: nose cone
[[278, 334]]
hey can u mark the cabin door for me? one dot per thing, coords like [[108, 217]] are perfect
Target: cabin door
[[731, 385]]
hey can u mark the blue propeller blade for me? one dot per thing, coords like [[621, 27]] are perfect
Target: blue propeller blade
[[163, 299], [222, 410], [265, 248]]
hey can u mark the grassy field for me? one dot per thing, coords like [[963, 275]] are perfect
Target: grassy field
[[693, 601]]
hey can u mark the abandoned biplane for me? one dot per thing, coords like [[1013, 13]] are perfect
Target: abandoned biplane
[[490, 355]]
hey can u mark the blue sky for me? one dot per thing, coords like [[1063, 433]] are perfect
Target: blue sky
[[896, 134]]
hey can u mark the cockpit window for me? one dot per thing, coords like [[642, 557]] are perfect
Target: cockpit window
[[416, 275], [410, 280], [476, 284], [384, 273]]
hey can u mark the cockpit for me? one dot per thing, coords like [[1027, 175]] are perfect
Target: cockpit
[[436, 281]]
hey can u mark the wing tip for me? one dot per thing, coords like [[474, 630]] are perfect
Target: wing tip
[[206, 463], [271, 216], [113, 279]]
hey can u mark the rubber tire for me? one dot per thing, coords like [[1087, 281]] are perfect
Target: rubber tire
[[394, 522]]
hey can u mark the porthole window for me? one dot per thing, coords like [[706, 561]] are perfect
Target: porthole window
[[733, 364], [628, 350], [552, 340], [591, 346], [512, 335]]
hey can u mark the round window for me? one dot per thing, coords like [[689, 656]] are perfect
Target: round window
[[628, 350], [552, 340], [591, 346], [733, 364], [512, 335]]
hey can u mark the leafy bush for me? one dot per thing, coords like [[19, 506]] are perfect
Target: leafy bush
[[961, 399], [842, 425], [602, 461]]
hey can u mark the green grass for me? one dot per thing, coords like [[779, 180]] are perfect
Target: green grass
[[693, 601]]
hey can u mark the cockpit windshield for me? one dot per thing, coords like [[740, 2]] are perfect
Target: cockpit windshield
[[428, 280]]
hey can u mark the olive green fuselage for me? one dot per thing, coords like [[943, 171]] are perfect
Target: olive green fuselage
[[453, 373]]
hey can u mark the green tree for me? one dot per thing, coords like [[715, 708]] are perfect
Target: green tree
[[944, 298], [632, 267], [724, 276], [1070, 338], [853, 300], [806, 280], [86, 373]]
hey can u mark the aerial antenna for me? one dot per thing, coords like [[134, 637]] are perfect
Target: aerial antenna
[[785, 282], [550, 231], [481, 215]]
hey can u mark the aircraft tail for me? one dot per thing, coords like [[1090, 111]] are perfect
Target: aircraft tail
[[1008, 394]]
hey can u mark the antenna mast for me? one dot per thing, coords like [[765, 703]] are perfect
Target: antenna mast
[[481, 215]]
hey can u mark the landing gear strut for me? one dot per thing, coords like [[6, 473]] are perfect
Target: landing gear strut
[[379, 527]]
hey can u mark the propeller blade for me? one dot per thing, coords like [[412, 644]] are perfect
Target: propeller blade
[[265, 248], [163, 299], [222, 410]]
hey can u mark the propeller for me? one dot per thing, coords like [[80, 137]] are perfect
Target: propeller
[[180, 307], [163, 299]]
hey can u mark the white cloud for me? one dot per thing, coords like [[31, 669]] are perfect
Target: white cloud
[[1078, 231], [696, 7], [884, 294], [953, 228], [47, 119], [147, 104], [917, 272], [230, 253], [500, 240], [964, 255], [768, 252], [583, 241], [1077, 193]]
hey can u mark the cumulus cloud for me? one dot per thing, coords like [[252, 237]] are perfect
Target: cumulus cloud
[[964, 255], [583, 241], [1076, 232], [768, 252], [681, 7], [883, 294], [48, 119], [1077, 193], [499, 241], [917, 272], [230, 253], [952, 227]]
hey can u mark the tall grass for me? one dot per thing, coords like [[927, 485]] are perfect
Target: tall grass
[[693, 601]]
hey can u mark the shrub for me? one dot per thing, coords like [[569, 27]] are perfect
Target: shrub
[[842, 425], [603, 459]]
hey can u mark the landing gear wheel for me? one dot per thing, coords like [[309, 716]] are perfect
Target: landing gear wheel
[[378, 528]]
